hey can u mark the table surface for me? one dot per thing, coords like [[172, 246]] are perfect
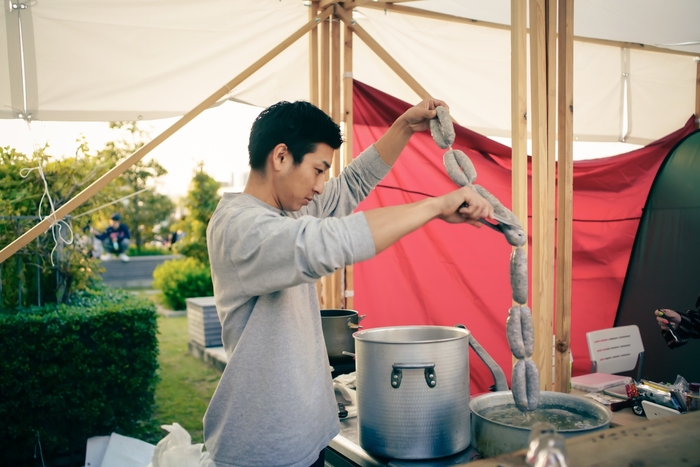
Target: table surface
[[347, 443]]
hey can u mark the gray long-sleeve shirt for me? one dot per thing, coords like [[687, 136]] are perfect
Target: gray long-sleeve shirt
[[274, 405]]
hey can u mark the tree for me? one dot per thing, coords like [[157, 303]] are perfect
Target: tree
[[47, 269], [144, 209], [201, 201]]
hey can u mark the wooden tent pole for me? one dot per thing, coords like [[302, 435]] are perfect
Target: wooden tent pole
[[336, 25], [349, 286], [518, 109], [325, 82], [565, 66], [313, 57], [100, 183], [314, 92], [381, 53], [541, 259]]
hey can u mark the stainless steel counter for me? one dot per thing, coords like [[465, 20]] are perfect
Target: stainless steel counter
[[347, 444]]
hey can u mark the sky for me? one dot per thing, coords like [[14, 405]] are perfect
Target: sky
[[218, 137]]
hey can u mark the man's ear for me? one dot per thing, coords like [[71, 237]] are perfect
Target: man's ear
[[280, 154]]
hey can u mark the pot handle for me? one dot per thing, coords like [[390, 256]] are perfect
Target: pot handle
[[498, 376], [397, 373]]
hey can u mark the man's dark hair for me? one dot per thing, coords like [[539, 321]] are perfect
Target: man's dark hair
[[300, 125], [116, 217]]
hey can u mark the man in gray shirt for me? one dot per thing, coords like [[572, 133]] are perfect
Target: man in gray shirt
[[274, 405]]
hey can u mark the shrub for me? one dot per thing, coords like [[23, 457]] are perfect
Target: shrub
[[72, 371], [179, 279]]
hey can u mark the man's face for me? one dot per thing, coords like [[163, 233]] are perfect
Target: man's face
[[298, 184], [114, 224]]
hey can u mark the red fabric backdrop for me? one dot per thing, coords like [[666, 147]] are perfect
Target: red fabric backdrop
[[447, 274]]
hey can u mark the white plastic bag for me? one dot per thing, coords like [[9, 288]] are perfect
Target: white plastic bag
[[177, 450]]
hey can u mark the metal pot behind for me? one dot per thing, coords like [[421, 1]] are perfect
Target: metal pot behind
[[492, 438], [338, 327], [413, 390]]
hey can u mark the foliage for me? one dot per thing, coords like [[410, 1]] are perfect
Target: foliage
[[179, 279], [47, 271], [76, 370], [30, 277], [144, 211], [201, 201]]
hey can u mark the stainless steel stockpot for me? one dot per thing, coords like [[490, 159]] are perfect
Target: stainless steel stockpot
[[413, 390]]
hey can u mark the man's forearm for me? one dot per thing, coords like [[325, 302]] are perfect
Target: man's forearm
[[391, 223], [390, 145]]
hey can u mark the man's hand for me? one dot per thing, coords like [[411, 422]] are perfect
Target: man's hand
[[667, 317], [477, 207], [418, 117]]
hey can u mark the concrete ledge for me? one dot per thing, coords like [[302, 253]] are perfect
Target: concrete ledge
[[212, 356], [138, 272]]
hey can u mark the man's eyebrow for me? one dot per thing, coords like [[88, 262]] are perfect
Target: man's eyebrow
[[328, 166]]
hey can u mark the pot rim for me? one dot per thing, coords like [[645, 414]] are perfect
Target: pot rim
[[363, 335], [341, 313], [596, 409]]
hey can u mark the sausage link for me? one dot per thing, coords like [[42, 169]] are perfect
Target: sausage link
[[526, 385], [532, 378], [514, 333], [454, 169], [442, 129], [514, 235], [518, 275], [519, 386], [527, 331]]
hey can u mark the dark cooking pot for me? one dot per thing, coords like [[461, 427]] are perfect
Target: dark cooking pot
[[338, 327]]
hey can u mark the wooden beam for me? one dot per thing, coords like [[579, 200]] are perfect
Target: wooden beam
[[381, 53], [325, 84], [336, 27], [313, 57], [541, 260], [336, 279], [326, 3], [518, 112], [518, 106], [349, 287], [459, 19], [101, 182], [325, 66], [565, 168]]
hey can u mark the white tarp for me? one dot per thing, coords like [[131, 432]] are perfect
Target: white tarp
[[130, 60]]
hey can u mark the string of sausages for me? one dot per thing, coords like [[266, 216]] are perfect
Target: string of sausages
[[519, 327]]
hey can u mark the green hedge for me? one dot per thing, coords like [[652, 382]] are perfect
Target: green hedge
[[74, 371], [179, 279]]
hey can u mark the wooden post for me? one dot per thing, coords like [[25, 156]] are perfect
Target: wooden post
[[314, 93], [326, 281], [313, 57], [565, 65], [542, 247], [336, 279], [518, 109], [100, 183], [349, 286]]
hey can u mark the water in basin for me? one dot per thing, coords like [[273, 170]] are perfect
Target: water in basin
[[563, 418]]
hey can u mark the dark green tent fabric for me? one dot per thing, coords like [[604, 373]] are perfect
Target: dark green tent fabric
[[664, 269]]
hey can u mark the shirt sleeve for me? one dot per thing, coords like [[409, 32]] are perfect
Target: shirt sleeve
[[272, 252]]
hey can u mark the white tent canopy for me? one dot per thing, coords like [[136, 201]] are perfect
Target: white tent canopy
[[129, 60]]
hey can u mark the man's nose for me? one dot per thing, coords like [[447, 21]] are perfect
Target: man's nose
[[318, 187]]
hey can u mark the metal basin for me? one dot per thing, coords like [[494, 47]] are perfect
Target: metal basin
[[495, 436]]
